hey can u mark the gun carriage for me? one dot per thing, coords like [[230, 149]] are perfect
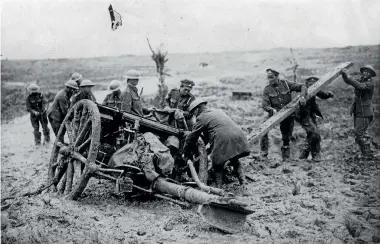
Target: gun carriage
[[92, 138]]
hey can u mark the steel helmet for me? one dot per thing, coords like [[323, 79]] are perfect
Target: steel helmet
[[368, 68], [71, 84], [33, 88], [132, 74], [76, 76], [114, 85], [86, 83], [196, 103]]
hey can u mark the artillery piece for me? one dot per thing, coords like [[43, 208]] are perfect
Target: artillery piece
[[96, 134]]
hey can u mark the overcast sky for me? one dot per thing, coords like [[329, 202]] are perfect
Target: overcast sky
[[66, 29]]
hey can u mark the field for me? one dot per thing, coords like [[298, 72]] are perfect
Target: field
[[338, 200]]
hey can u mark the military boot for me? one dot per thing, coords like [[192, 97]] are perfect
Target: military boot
[[316, 157], [37, 137], [240, 173], [46, 138], [367, 151], [305, 151], [285, 153], [264, 147], [219, 178]]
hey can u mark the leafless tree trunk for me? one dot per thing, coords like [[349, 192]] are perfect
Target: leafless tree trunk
[[294, 65], [159, 57]]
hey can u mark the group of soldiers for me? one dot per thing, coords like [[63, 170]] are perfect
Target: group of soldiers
[[226, 141]]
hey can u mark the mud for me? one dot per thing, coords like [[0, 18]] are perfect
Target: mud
[[334, 201]]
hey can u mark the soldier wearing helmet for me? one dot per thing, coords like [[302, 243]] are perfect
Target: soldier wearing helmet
[[228, 143], [130, 97], [362, 107], [114, 98], [306, 115], [84, 92], [58, 110], [276, 95], [36, 105]]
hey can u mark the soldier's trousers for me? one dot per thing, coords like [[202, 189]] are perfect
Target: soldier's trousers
[[361, 125], [36, 120], [286, 128], [55, 125], [313, 136]]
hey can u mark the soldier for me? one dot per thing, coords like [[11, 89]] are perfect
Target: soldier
[[362, 107], [277, 95], [58, 110], [178, 101], [114, 99], [227, 140], [84, 92], [131, 98], [307, 117], [36, 105]]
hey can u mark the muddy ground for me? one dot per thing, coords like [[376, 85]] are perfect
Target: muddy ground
[[333, 201]]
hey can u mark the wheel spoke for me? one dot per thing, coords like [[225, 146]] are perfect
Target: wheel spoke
[[83, 132], [69, 131], [84, 145]]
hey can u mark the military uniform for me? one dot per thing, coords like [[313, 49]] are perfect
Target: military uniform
[[277, 96], [131, 102], [114, 100], [81, 95], [228, 142], [37, 103], [307, 117], [58, 110], [362, 109], [174, 99]]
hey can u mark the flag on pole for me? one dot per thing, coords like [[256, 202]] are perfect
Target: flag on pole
[[116, 19]]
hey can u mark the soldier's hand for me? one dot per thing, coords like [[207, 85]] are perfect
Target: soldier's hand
[[302, 101], [178, 114], [36, 113], [272, 112], [344, 71], [331, 94], [185, 158]]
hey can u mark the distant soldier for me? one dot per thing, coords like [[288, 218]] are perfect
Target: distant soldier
[[362, 107], [36, 105], [84, 92], [114, 99], [58, 110], [277, 95], [131, 98], [228, 142], [179, 100], [307, 117]]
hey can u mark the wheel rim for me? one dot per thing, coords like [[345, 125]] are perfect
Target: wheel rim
[[72, 164]]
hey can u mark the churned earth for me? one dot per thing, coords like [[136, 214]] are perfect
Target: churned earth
[[334, 201]]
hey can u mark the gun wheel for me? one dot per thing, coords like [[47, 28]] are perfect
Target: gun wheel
[[72, 164]]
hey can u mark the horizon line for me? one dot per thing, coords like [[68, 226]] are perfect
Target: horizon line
[[5, 58]]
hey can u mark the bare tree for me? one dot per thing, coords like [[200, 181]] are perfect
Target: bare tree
[[294, 64], [159, 57]]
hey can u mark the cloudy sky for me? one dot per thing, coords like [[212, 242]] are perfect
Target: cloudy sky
[[81, 28]]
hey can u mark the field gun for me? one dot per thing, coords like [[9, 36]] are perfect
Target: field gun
[[107, 143]]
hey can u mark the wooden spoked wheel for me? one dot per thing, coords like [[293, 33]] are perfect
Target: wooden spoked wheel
[[72, 163]]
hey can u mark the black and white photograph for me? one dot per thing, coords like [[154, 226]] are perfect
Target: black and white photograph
[[190, 121]]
